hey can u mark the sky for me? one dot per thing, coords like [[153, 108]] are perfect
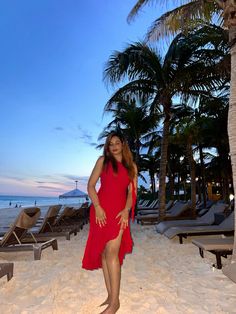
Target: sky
[[52, 95]]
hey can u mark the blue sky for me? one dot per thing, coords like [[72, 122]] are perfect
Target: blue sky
[[52, 95]]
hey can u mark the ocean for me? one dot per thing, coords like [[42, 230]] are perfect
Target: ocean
[[11, 205], [12, 201]]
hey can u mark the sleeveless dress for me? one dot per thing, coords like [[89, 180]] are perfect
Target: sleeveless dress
[[112, 198]]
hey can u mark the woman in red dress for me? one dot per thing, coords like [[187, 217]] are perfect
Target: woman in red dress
[[109, 235]]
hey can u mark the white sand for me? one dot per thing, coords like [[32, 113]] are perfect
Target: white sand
[[161, 276]]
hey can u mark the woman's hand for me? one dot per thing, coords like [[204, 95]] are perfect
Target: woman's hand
[[100, 216], [124, 218]]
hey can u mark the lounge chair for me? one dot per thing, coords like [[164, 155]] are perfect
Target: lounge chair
[[6, 269], [152, 205], [226, 227], [140, 202], [218, 246], [81, 214], [144, 203], [207, 219], [68, 219], [200, 208], [155, 210], [46, 227], [14, 239], [180, 210]]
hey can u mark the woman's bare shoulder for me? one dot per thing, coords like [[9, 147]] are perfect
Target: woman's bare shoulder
[[100, 161]]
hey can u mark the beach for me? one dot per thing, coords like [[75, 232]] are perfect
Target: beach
[[160, 276]]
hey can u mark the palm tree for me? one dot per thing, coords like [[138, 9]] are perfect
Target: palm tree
[[162, 79], [204, 127], [192, 14], [216, 136], [150, 162], [175, 169], [186, 134], [132, 117]]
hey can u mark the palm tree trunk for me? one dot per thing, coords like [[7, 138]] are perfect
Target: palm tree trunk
[[232, 132], [154, 185], [185, 191], [172, 186], [192, 175], [137, 151], [203, 181], [163, 163], [224, 172], [152, 177], [178, 186]]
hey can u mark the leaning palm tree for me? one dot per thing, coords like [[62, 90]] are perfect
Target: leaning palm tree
[[163, 78], [190, 14]]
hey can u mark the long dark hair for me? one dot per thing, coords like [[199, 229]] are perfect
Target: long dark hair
[[127, 157]]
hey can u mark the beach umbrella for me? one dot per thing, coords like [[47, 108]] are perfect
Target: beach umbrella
[[76, 193]]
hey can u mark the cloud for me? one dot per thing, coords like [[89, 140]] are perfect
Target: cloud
[[76, 132], [74, 178], [59, 128], [51, 188], [86, 136], [19, 179], [93, 144]]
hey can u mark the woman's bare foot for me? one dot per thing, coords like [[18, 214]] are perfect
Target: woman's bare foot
[[112, 308], [105, 302]]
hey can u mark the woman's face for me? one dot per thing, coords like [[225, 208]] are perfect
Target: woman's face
[[115, 146]]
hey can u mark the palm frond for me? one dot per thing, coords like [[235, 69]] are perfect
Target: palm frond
[[137, 88], [188, 16], [137, 61], [141, 3], [136, 9]]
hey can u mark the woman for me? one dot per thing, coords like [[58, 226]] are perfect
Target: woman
[[109, 236]]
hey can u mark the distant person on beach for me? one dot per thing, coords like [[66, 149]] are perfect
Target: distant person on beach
[[10, 203], [109, 235], [16, 205], [35, 203]]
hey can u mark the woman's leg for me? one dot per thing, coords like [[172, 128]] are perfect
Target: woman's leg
[[114, 271], [106, 278]]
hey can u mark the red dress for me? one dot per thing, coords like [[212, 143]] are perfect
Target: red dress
[[112, 198]]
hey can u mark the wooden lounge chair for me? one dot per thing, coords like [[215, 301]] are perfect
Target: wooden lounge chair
[[68, 218], [180, 210], [218, 246], [46, 227], [205, 220], [6, 269], [226, 227], [14, 239], [81, 214]]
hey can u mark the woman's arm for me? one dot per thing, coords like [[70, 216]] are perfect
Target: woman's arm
[[100, 213], [93, 181]]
